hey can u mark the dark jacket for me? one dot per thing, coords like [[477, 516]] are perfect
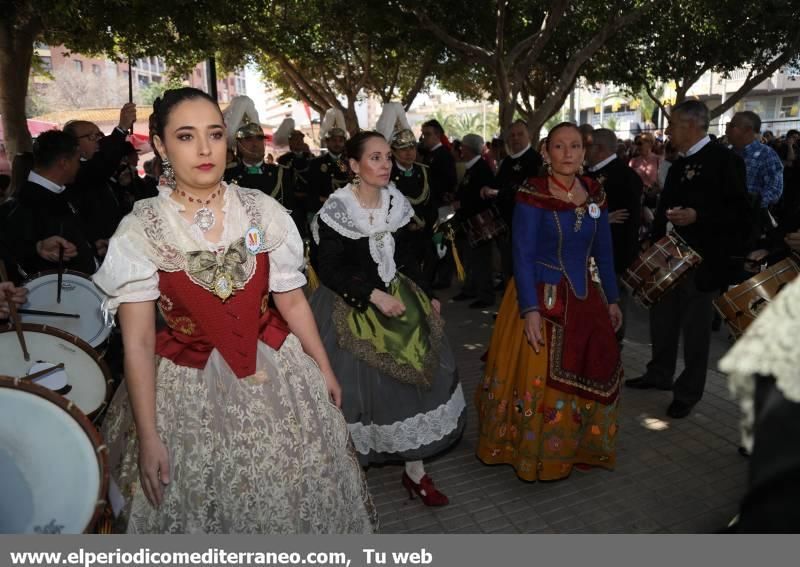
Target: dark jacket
[[325, 175], [623, 188], [415, 185], [274, 180], [443, 174], [40, 214], [712, 182], [469, 190], [511, 174]]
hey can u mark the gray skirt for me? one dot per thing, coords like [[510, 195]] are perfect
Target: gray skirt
[[390, 419]]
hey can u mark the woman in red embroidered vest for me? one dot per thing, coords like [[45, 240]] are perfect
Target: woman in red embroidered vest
[[225, 422], [549, 396], [400, 390]]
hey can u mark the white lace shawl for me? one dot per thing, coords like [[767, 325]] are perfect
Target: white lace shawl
[[768, 347], [343, 213]]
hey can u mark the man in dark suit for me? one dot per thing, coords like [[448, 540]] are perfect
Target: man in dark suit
[[443, 180], [478, 259], [45, 217], [705, 200], [623, 189], [441, 162], [328, 172], [100, 157], [521, 163]]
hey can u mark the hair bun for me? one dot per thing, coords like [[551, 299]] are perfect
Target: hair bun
[[156, 104]]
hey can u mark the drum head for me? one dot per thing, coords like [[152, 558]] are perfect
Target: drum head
[[87, 374], [54, 477], [78, 295]]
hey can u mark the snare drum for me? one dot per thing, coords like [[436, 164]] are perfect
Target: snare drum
[[78, 295], [53, 463], [740, 305], [659, 268], [87, 375], [484, 226]]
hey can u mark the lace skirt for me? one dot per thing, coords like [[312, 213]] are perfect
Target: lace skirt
[[392, 416], [268, 454]]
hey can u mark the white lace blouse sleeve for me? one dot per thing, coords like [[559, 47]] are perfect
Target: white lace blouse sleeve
[[128, 274], [287, 261]]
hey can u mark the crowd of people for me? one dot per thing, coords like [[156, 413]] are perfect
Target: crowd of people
[[257, 399]]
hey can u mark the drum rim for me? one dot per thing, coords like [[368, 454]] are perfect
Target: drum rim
[[43, 273], [100, 448], [75, 273], [78, 342]]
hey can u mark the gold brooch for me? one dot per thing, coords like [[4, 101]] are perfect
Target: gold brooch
[[223, 285]]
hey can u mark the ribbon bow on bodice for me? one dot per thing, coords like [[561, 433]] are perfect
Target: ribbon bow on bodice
[[222, 272]]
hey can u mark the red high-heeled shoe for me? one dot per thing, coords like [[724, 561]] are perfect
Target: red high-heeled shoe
[[425, 490]]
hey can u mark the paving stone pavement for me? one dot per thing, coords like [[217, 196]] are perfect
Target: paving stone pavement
[[672, 476]]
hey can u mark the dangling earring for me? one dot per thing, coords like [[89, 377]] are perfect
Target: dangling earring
[[580, 169], [167, 174], [356, 181], [549, 168]]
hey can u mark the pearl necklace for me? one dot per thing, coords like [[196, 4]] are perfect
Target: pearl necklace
[[204, 218]]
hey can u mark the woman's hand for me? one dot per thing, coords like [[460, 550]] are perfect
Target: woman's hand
[[153, 468], [334, 389], [533, 330], [387, 304], [437, 306], [616, 316]]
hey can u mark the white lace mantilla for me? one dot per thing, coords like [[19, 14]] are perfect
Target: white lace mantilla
[[412, 433], [344, 214], [769, 348]]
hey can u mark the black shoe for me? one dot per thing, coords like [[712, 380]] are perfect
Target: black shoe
[[480, 304], [678, 409], [744, 452], [463, 297], [642, 383]]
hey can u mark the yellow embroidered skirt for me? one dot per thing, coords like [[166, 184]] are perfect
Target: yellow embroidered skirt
[[541, 431]]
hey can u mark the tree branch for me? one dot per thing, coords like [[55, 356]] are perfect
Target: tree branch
[[500, 28], [578, 59], [654, 98], [535, 43], [419, 83], [469, 50]]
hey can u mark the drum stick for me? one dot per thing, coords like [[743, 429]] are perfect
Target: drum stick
[[47, 313], [60, 272], [45, 372], [12, 307]]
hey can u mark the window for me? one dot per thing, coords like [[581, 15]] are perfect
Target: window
[[77, 65], [790, 107], [96, 70]]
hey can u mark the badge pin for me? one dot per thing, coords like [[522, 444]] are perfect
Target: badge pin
[[254, 240], [594, 211]]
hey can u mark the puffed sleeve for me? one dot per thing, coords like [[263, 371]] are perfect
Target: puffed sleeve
[[128, 274], [287, 261]]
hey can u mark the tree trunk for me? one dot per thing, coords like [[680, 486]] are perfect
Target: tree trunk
[[350, 117], [16, 56]]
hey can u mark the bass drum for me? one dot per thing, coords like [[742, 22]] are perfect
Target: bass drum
[[53, 463], [88, 379], [79, 295]]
